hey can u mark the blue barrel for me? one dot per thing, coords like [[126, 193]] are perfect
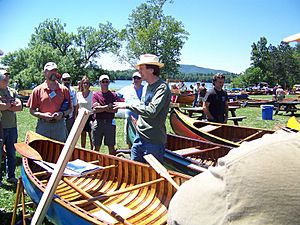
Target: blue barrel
[[267, 112]]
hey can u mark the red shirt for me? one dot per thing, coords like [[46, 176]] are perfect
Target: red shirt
[[104, 99], [40, 98]]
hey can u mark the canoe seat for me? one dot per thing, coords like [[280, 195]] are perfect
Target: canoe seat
[[208, 128]]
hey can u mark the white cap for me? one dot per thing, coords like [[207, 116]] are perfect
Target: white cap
[[104, 76], [66, 75], [50, 66], [2, 74], [136, 74]]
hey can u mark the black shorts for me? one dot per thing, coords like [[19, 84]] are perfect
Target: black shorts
[[88, 124]]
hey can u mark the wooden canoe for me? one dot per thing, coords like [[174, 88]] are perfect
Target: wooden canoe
[[187, 155], [185, 98], [131, 189], [215, 132]]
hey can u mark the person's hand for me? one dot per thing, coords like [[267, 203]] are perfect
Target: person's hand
[[110, 106], [119, 105], [46, 116], [58, 115]]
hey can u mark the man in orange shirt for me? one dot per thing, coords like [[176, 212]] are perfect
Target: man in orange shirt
[[50, 102]]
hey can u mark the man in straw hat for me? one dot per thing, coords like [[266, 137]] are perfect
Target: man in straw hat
[[151, 130]]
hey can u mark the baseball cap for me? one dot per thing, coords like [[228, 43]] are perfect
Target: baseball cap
[[2, 74], [103, 76], [136, 74], [50, 66], [65, 75]]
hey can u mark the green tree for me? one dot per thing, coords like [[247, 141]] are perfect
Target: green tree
[[74, 53], [150, 31]]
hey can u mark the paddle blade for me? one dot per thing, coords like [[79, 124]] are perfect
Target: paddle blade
[[26, 151], [160, 169]]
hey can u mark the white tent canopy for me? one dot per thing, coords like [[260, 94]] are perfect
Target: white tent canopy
[[295, 37]]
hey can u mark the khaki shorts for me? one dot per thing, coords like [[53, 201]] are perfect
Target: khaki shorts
[[104, 129]]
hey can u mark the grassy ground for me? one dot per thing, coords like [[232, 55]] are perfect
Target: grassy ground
[[27, 122]]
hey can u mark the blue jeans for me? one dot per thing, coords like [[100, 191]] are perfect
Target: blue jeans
[[10, 137], [141, 147]]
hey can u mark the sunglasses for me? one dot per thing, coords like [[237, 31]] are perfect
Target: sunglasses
[[105, 81], [136, 78], [86, 83], [66, 79]]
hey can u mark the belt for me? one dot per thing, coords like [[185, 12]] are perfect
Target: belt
[[49, 121]]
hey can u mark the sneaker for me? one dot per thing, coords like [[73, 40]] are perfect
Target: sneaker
[[12, 180]]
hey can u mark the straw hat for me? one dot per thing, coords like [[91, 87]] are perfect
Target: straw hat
[[149, 59]]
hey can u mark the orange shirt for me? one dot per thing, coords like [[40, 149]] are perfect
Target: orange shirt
[[40, 98]]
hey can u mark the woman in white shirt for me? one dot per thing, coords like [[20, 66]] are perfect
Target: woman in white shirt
[[84, 100]]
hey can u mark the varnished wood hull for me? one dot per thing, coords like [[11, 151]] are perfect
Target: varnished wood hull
[[186, 98], [112, 186], [186, 155], [222, 134]]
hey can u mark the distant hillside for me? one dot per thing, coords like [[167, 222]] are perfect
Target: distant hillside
[[196, 69]]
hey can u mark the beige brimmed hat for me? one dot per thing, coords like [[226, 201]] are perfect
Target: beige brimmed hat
[[149, 59], [50, 66]]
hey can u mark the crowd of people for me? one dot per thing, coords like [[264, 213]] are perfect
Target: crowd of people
[[56, 103]]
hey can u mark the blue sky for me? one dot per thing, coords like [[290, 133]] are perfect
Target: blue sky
[[221, 31]]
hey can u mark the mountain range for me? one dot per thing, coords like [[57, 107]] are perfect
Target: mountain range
[[196, 69]]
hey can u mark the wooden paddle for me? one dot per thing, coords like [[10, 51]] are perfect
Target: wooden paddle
[[160, 169], [62, 161]]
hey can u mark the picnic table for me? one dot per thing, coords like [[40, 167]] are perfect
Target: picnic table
[[287, 107], [191, 110]]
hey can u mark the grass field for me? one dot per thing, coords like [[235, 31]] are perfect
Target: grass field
[[27, 122]]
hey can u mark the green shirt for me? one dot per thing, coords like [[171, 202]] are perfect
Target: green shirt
[[153, 112], [9, 118]]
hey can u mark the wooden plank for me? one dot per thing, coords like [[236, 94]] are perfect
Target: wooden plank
[[63, 159], [193, 151], [160, 169], [238, 118]]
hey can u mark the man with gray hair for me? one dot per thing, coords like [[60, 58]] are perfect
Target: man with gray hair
[[50, 102]]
